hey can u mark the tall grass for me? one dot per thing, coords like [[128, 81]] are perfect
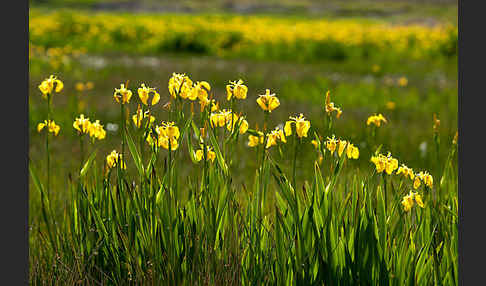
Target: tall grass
[[339, 226]]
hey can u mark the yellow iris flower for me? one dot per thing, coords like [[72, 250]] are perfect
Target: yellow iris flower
[[376, 120], [275, 135], [206, 102], [352, 151], [114, 158], [82, 124], [436, 124], [144, 93], [47, 86], [331, 144], [408, 201], [330, 106], [209, 154], [122, 94], [268, 101], [301, 125], [84, 86], [96, 130], [138, 118], [255, 140], [236, 89], [167, 133], [406, 171], [51, 126], [385, 163], [200, 91], [424, 177], [180, 85]]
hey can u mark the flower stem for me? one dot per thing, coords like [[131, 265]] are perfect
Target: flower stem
[[294, 162], [47, 144]]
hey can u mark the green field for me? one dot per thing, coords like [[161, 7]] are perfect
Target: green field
[[236, 220]]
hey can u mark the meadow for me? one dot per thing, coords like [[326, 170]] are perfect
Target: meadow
[[200, 202]]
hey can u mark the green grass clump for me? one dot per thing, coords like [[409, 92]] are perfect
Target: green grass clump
[[159, 221]]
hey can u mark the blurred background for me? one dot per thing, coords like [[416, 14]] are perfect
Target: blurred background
[[394, 57]]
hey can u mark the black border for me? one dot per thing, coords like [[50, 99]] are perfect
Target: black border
[[15, 138]]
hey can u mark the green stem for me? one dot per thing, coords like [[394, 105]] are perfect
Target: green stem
[[295, 162], [82, 150], [122, 111], [47, 144]]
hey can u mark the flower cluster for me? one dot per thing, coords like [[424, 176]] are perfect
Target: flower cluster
[[268, 101], [180, 85], [138, 118], [84, 126], [330, 106], [256, 140], [210, 155], [48, 85], [51, 126], [408, 201], [229, 119], [80, 86], [376, 120], [166, 137], [122, 95], [385, 163], [114, 158], [275, 135], [144, 94], [352, 152], [302, 126], [236, 89]]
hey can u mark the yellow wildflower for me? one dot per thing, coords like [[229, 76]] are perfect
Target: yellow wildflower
[[402, 81], [330, 106], [301, 125], [385, 163], [315, 143], [96, 130], [341, 146], [144, 93], [48, 84], [51, 126], [209, 154], [122, 94], [206, 101], [406, 171], [267, 101], [275, 135], [454, 140], [352, 151], [407, 201], [418, 199], [243, 126], [436, 124], [138, 118], [167, 134], [113, 159], [255, 140], [200, 91], [180, 85], [424, 177], [82, 124], [79, 86], [331, 144], [236, 89], [391, 105], [376, 120]]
